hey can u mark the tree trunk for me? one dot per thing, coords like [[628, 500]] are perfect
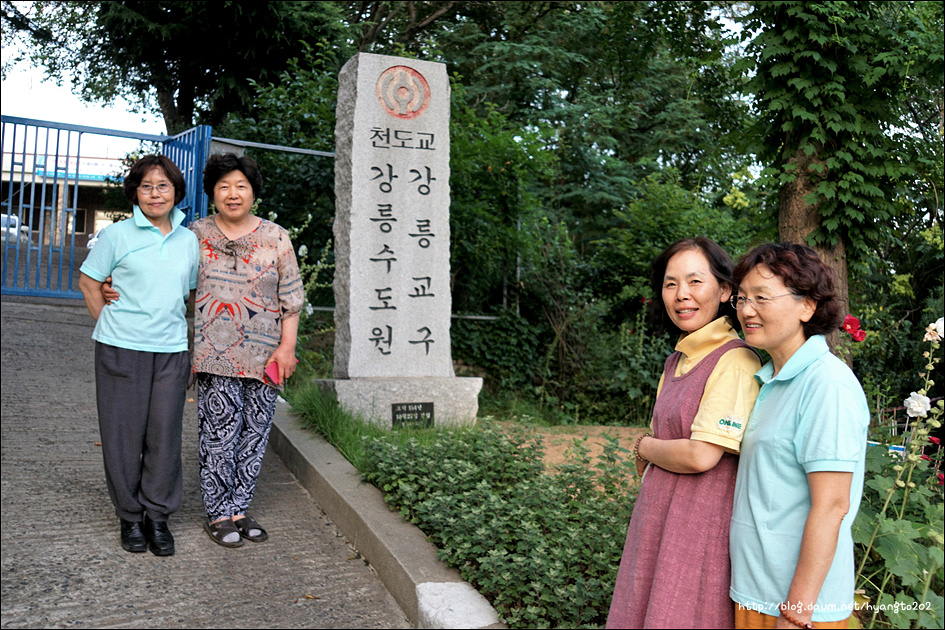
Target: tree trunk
[[797, 220], [172, 120]]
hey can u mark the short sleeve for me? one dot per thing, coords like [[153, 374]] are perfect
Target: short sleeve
[[196, 262], [727, 400], [101, 259], [831, 432], [291, 291]]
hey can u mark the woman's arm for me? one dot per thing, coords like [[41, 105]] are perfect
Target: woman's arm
[[284, 355], [830, 502], [92, 292], [680, 456]]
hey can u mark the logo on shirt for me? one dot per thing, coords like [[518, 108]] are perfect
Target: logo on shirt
[[730, 423]]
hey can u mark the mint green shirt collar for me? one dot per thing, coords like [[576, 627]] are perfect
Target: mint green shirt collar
[[813, 349], [177, 217]]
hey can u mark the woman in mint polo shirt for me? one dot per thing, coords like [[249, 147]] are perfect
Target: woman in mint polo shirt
[[800, 477], [142, 364]]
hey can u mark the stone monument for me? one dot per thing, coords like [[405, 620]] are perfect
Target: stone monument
[[393, 363]]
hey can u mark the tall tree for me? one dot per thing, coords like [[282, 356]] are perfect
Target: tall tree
[[192, 61], [829, 81]]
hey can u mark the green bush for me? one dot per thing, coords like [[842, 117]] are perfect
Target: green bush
[[507, 348], [898, 529], [543, 546]]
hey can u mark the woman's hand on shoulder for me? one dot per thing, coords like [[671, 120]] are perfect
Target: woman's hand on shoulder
[[109, 294]]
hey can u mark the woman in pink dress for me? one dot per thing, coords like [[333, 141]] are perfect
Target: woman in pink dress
[[674, 572]]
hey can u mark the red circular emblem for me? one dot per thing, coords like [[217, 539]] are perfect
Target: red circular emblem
[[403, 92]]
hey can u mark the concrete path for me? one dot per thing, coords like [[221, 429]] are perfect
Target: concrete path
[[62, 564]]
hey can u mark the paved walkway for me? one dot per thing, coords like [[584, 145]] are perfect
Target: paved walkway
[[62, 564]]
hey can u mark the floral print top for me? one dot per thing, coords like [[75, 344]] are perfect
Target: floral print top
[[244, 289]]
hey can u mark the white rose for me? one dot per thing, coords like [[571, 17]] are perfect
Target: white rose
[[917, 405], [303, 251], [935, 331]]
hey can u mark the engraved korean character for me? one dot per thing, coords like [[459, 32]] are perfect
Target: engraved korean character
[[427, 338], [423, 189], [380, 340], [385, 218], [403, 139], [380, 137], [425, 141], [423, 288], [384, 297], [385, 186], [389, 258], [423, 233]]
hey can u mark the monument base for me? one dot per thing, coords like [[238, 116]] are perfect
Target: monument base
[[426, 401]]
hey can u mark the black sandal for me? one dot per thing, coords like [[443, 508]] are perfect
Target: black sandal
[[219, 530], [246, 524]]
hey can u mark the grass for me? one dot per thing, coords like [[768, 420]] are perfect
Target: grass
[[320, 412]]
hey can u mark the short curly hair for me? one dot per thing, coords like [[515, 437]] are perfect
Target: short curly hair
[[220, 164], [805, 274], [719, 262], [143, 166]]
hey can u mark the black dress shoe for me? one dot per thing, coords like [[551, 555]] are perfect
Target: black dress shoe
[[160, 539], [132, 536]]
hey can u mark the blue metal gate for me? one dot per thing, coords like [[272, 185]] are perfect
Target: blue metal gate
[[189, 151], [43, 244]]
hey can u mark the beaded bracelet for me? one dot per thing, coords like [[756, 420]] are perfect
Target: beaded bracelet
[[783, 608], [636, 446]]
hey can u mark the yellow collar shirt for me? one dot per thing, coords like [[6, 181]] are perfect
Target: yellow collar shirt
[[731, 389]]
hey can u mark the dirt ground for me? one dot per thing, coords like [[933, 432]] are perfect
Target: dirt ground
[[557, 440]]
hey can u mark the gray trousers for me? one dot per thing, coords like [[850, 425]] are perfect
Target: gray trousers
[[140, 416]]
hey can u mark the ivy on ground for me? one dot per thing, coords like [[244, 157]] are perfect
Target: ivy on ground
[[542, 545]]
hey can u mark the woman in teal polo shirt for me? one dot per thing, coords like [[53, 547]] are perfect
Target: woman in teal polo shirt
[[142, 365], [800, 477]]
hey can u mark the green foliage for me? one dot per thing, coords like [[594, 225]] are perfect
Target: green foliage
[[661, 212], [542, 546], [621, 87], [192, 61], [297, 110], [898, 529], [321, 413], [893, 307], [507, 349], [495, 168], [829, 79]]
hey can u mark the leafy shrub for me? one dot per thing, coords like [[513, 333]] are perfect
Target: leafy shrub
[[542, 546], [507, 348], [898, 529]]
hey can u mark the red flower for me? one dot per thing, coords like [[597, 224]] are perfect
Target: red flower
[[941, 479], [927, 458], [851, 324], [934, 440], [859, 334]]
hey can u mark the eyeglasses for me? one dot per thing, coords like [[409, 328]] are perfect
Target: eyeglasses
[[758, 303], [161, 188]]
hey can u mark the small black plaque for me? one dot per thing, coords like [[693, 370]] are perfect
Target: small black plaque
[[416, 414]]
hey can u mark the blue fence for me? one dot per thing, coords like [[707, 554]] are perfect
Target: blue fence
[[45, 180]]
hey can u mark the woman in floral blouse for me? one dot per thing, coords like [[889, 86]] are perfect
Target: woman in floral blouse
[[249, 295]]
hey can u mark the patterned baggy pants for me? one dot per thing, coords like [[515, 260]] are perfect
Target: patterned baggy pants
[[235, 418]]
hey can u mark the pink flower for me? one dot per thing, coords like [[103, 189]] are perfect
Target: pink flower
[[934, 440], [851, 324], [859, 334]]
